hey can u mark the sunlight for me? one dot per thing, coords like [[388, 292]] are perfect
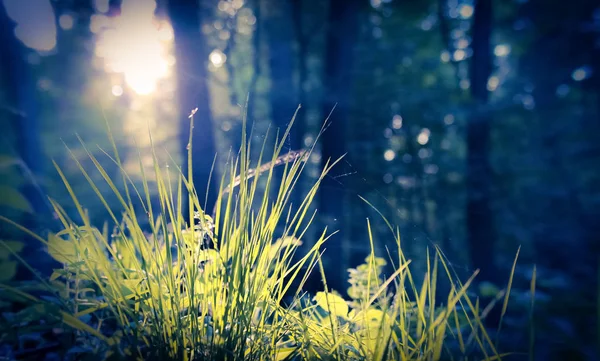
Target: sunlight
[[423, 136], [502, 50], [102, 6], [66, 21], [493, 83], [460, 55], [445, 56], [389, 155], [581, 73], [136, 45], [397, 122], [217, 58], [34, 20], [448, 119], [117, 90], [466, 11]]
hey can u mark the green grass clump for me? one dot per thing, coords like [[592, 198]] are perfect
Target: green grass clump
[[162, 294]]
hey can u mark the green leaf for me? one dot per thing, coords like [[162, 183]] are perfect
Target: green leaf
[[40, 311], [61, 250], [77, 324], [13, 246], [12, 198], [332, 303], [488, 289], [285, 353], [55, 275], [129, 287], [8, 270]]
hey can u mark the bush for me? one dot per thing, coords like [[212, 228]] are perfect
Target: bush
[[200, 286]]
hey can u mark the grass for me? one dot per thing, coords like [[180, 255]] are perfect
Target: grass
[[162, 294]]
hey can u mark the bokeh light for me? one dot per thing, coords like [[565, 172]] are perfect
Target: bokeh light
[[493, 83], [448, 119], [389, 155], [102, 6], [562, 90], [66, 21], [136, 45], [35, 23], [397, 122], [423, 136], [217, 58], [388, 178], [460, 55], [117, 90], [445, 56], [501, 50], [466, 11], [582, 73]]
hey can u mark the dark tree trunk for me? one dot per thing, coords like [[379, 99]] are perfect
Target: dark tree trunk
[[302, 40], [190, 52], [73, 54], [21, 96], [564, 229], [480, 227], [280, 36], [20, 109], [256, 71], [342, 34]]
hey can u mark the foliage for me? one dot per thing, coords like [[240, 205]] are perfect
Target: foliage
[[213, 287], [13, 203]]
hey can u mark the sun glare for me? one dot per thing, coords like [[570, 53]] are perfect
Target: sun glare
[[136, 45], [217, 58], [35, 23]]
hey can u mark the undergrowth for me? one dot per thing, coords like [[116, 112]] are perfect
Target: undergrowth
[[200, 286]]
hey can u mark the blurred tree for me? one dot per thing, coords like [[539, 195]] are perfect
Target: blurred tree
[[558, 67], [256, 56], [190, 52], [19, 111], [302, 40], [71, 63], [480, 225], [341, 38], [567, 149], [20, 106], [283, 95]]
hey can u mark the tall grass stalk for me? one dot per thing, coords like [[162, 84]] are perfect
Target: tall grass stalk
[[162, 294]]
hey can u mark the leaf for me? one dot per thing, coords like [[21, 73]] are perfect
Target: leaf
[[8, 270], [285, 353], [332, 303], [129, 287], [75, 323], [55, 275], [12, 198], [374, 325], [61, 250], [488, 289], [40, 311], [281, 244], [13, 246]]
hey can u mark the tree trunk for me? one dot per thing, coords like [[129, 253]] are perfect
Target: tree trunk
[[283, 94], [190, 52], [20, 109], [480, 227], [302, 40], [342, 34]]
